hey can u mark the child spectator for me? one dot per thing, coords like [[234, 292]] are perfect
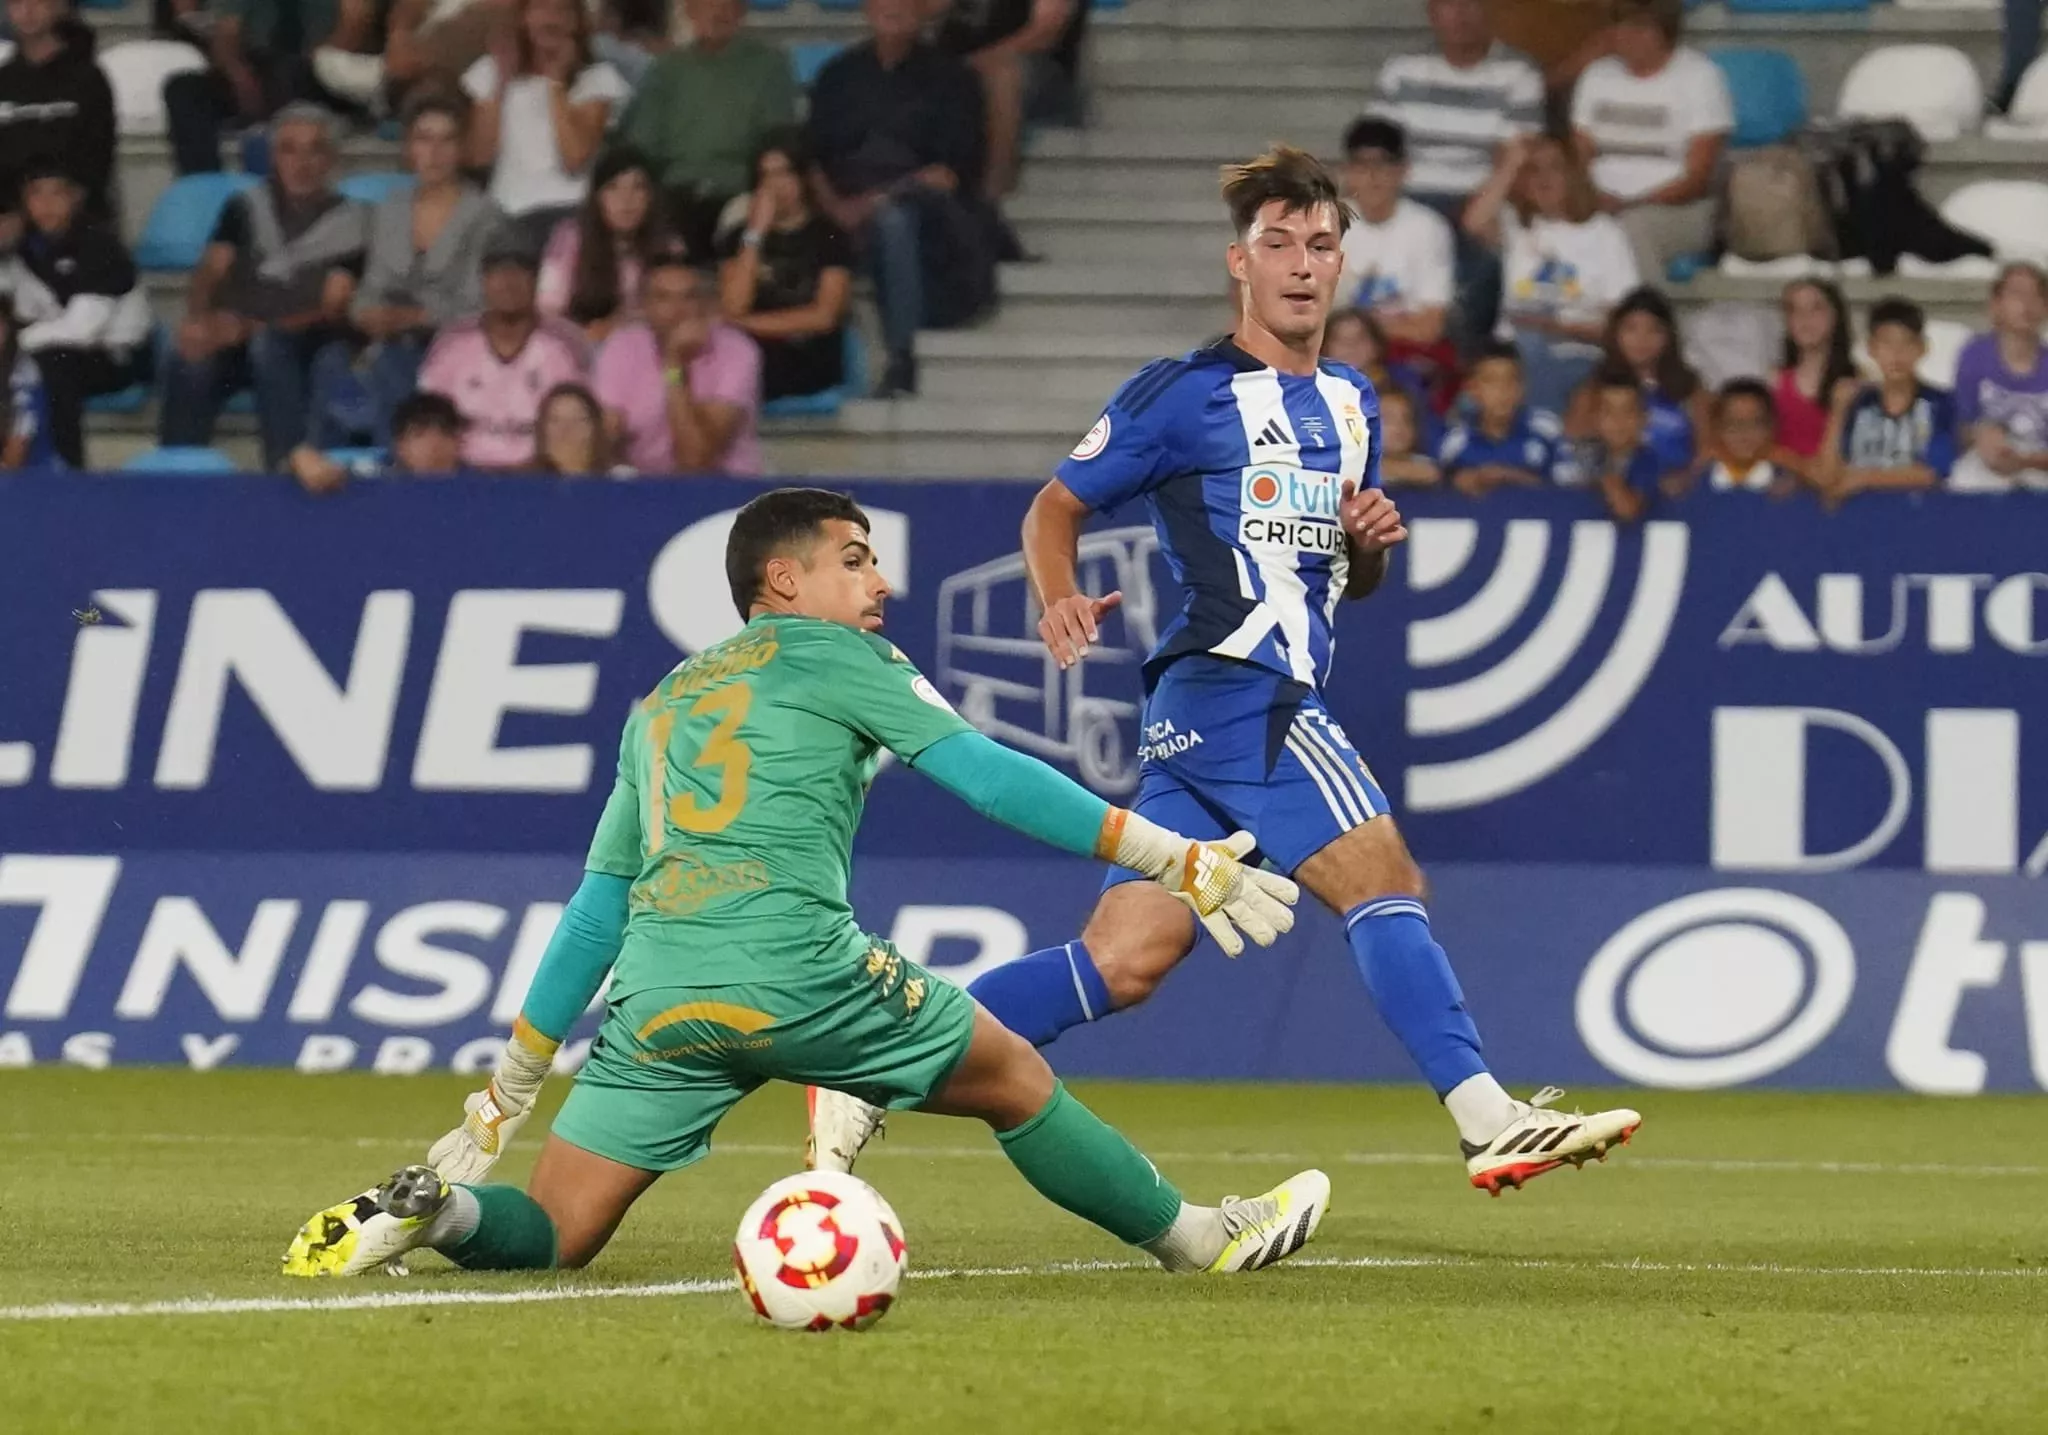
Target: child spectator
[[1563, 265], [424, 270], [590, 274], [2001, 392], [542, 107], [1401, 463], [426, 438], [497, 365], [25, 421], [1898, 432], [1642, 339], [787, 275], [570, 438], [55, 105], [1399, 257], [1745, 440], [1506, 441], [682, 389], [85, 318], [1625, 467], [1354, 337], [1817, 372]]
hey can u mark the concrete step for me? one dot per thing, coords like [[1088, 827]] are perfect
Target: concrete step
[[1249, 108], [1000, 341], [987, 382], [1058, 421], [846, 458]]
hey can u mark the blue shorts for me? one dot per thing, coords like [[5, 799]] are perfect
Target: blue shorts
[[1229, 745]]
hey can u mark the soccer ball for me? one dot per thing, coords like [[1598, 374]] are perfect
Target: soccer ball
[[818, 1250]]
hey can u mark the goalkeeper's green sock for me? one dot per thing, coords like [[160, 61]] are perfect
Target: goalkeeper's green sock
[[1076, 1160], [493, 1228]]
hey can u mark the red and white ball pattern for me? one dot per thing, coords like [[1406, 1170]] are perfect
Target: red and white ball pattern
[[820, 1251]]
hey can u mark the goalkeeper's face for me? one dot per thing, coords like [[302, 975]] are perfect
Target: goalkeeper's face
[[836, 578]]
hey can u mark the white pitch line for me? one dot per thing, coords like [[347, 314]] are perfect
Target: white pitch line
[[1731, 1164], [401, 1300]]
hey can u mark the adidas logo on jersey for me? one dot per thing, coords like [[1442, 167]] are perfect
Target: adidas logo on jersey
[[1273, 435]]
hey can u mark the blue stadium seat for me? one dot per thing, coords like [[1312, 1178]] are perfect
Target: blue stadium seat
[[1769, 94], [183, 219], [135, 398], [180, 460], [373, 188], [767, 4], [807, 57], [1683, 269], [358, 461], [840, 4], [853, 383], [103, 4], [1105, 4], [1793, 7]]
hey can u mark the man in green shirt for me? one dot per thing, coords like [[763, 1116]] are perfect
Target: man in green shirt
[[715, 892], [703, 111]]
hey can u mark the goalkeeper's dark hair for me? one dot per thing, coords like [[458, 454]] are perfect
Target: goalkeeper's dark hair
[[774, 523], [1293, 176]]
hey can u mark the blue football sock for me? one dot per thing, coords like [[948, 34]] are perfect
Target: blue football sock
[[1410, 981], [1041, 995]]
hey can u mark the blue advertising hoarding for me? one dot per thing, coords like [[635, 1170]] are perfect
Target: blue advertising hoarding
[[1738, 796]]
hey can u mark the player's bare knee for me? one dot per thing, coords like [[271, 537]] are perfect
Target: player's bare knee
[[1134, 957]]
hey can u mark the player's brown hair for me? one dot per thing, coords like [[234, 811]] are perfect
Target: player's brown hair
[[774, 523], [1293, 176]]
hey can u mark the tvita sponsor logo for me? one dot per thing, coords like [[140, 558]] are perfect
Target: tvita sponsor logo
[[1729, 986], [1524, 677]]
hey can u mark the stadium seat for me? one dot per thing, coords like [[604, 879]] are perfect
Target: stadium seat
[[180, 460], [361, 462], [1685, 267], [2012, 214], [807, 57], [1946, 4], [1769, 94], [184, 218], [840, 4], [1793, 7], [853, 383], [374, 187], [136, 71], [1934, 86], [2027, 117], [767, 4]]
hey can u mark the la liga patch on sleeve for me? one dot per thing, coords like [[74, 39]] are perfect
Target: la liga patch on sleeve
[[1094, 441], [922, 686]]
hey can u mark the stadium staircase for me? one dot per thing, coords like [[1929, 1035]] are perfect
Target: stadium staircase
[[1125, 218]]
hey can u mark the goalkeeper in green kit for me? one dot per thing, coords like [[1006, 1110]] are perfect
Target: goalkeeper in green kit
[[715, 892]]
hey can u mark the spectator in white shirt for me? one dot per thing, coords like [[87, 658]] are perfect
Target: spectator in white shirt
[[1564, 264], [1458, 106], [1398, 263], [1651, 121], [542, 107]]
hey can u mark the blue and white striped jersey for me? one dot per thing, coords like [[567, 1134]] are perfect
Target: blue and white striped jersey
[[1242, 467]]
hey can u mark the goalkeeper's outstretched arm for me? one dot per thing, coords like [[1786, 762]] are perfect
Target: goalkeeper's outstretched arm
[[581, 952], [1021, 792]]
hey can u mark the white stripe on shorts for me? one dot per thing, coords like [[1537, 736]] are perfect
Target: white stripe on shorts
[[1342, 772], [1340, 808]]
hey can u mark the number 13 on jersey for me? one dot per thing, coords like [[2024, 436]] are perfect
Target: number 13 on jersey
[[720, 749]]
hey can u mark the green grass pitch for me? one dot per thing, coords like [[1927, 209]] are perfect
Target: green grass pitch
[[1754, 1262]]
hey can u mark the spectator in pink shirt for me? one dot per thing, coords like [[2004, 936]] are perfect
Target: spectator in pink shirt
[[590, 272], [497, 365], [682, 388]]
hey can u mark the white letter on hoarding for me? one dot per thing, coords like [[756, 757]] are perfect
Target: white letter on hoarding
[[73, 893], [2009, 614], [2034, 989], [93, 1050], [403, 1056], [1948, 960], [328, 960], [403, 950], [1971, 791], [1771, 615], [97, 733], [15, 1049], [339, 736], [478, 679], [1952, 610], [999, 936], [179, 934], [202, 1054], [326, 1053], [1759, 821], [1839, 602]]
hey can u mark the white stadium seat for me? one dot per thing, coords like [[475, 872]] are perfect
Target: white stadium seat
[[1946, 4], [2011, 213], [136, 71], [2027, 117], [1934, 86]]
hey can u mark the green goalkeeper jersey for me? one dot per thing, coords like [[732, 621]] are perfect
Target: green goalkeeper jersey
[[741, 781]]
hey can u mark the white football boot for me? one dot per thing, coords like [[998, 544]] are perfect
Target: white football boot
[[1267, 1229], [840, 1126], [374, 1231], [1541, 1140]]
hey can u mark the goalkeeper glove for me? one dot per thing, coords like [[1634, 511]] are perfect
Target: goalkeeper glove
[[1232, 900], [493, 1116]]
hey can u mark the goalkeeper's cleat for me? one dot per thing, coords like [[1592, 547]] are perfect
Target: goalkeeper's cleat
[[1541, 1140], [1264, 1230], [373, 1231], [841, 1126]]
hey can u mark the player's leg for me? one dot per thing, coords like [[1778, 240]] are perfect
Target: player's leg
[[1083, 1165]]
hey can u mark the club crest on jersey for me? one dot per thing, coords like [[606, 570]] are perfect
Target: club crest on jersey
[[1287, 507], [1354, 423], [1094, 441]]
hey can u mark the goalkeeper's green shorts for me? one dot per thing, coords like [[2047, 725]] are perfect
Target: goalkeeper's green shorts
[[669, 1062]]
